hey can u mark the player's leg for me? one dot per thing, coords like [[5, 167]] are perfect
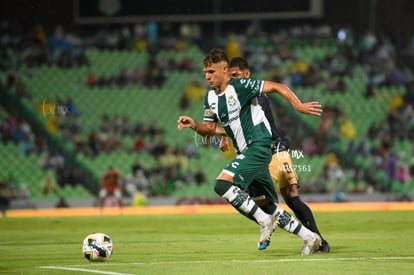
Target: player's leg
[[286, 179], [262, 190], [302, 212], [235, 178], [3, 205], [118, 197], [240, 200], [102, 196]]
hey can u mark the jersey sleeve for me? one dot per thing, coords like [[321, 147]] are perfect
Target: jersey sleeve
[[247, 88], [209, 115]]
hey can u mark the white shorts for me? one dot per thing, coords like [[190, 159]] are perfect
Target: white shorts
[[103, 193]]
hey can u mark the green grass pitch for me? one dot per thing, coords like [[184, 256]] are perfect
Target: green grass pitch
[[362, 243]]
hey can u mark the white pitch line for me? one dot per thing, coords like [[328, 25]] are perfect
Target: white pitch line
[[284, 260], [229, 261], [83, 270]]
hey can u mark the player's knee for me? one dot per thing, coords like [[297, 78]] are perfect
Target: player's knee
[[262, 200], [117, 194], [289, 191], [268, 208], [221, 187], [102, 193]]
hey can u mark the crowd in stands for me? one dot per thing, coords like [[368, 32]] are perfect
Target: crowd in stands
[[172, 163], [170, 173], [387, 65], [34, 47], [17, 131]]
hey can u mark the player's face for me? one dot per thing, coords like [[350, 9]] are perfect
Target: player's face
[[236, 72], [216, 74]]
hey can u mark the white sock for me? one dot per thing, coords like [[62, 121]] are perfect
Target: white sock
[[290, 224], [242, 202], [304, 233]]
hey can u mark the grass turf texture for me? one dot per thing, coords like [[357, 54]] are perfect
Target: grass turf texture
[[370, 242]]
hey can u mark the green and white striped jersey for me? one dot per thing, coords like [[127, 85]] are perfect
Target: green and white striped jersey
[[239, 112]]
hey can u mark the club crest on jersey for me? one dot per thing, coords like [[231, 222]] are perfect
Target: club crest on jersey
[[231, 101], [208, 112]]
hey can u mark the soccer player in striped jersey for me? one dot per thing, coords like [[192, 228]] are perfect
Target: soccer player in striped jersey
[[281, 169], [233, 103]]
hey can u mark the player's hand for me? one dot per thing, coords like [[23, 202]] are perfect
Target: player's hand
[[224, 144], [310, 108], [185, 122]]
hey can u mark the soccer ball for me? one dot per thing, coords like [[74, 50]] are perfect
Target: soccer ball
[[97, 247]]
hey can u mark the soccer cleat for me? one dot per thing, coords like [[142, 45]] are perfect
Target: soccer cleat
[[325, 248], [311, 245], [266, 231]]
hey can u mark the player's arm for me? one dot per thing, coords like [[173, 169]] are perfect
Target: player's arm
[[311, 108], [220, 131], [224, 142], [204, 129]]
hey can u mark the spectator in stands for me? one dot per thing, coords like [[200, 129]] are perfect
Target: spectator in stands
[[5, 197], [123, 78], [137, 182], [136, 166], [153, 129], [309, 146], [62, 203], [402, 178], [182, 159], [58, 44], [186, 65], [168, 160], [186, 178], [391, 165], [183, 103], [49, 184], [333, 171], [199, 176], [194, 91], [140, 129], [189, 149], [297, 69], [347, 128], [369, 91], [159, 148], [402, 175], [93, 143], [139, 144], [233, 48], [142, 182], [102, 81], [137, 75], [125, 126], [71, 107]]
